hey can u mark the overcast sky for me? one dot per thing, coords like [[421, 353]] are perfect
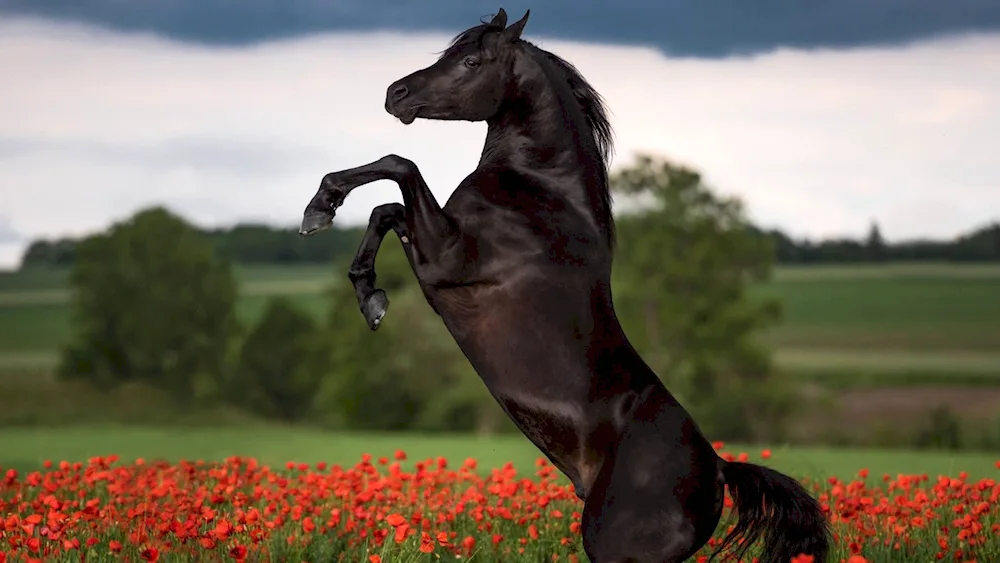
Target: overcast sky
[[96, 123]]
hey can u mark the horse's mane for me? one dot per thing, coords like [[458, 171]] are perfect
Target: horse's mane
[[591, 103]]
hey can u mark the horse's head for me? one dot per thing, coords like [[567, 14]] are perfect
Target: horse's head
[[468, 82]]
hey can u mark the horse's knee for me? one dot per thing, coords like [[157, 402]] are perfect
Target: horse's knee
[[385, 216], [332, 191], [398, 166]]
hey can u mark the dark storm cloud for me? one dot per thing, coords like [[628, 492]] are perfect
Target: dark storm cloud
[[707, 28]]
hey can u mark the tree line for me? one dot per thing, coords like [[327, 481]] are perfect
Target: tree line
[[155, 304], [979, 245], [241, 244], [259, 244]]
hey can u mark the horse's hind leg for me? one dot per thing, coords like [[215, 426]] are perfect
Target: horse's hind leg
[[656, 500]]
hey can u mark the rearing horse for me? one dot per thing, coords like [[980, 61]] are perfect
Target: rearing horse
[[518, 266]]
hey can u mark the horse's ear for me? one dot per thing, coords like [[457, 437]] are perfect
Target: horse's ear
[[513, 33], [499, 20]]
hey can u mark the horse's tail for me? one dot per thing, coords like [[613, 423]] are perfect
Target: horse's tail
[[779, 509]]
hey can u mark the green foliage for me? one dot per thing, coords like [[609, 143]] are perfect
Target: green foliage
[[682, 271], [45, 403], [59, 252], [979, 245], [151, 303], [281, 364], [875, 247], [262, 244], [409, 374]]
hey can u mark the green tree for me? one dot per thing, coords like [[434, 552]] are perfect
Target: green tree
[[151, 303], [685, 259], [408, 375], [281, 364], [875, 246], [59, 252]]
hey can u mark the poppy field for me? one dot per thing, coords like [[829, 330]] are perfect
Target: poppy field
[[376, 511]]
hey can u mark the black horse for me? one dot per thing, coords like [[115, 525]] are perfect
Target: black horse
[[518, 266]]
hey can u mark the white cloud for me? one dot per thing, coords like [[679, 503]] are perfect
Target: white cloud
[[94, 125]]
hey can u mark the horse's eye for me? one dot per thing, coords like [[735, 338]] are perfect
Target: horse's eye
[[471, 62]]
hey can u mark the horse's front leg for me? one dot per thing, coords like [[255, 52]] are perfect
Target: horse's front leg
[[433, 243], [373, 301]]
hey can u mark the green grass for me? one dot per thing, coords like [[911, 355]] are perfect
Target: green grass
[[50, 287], [252, 306], [825, 272], [834, 378], [40, 329], [35, 317], [898, 319], [33, 279], [917, 311], [27, 448], [33, 327], [890, 361]]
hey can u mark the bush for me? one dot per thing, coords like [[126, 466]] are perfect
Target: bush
[[151, 303], [684, 265], [281, 364], [410, 374], [942, 431]]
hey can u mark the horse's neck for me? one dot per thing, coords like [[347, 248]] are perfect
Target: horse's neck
[[538, 131], [545, 145]]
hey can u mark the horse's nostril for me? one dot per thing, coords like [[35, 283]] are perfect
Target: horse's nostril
[[399, 92]]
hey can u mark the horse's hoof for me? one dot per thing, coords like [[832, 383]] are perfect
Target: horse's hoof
[[315, 221], [374, 308]]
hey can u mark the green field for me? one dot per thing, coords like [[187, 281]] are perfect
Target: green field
[[909, 319], [26, 449], [934, 308], [35, 317], [848, 328]]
